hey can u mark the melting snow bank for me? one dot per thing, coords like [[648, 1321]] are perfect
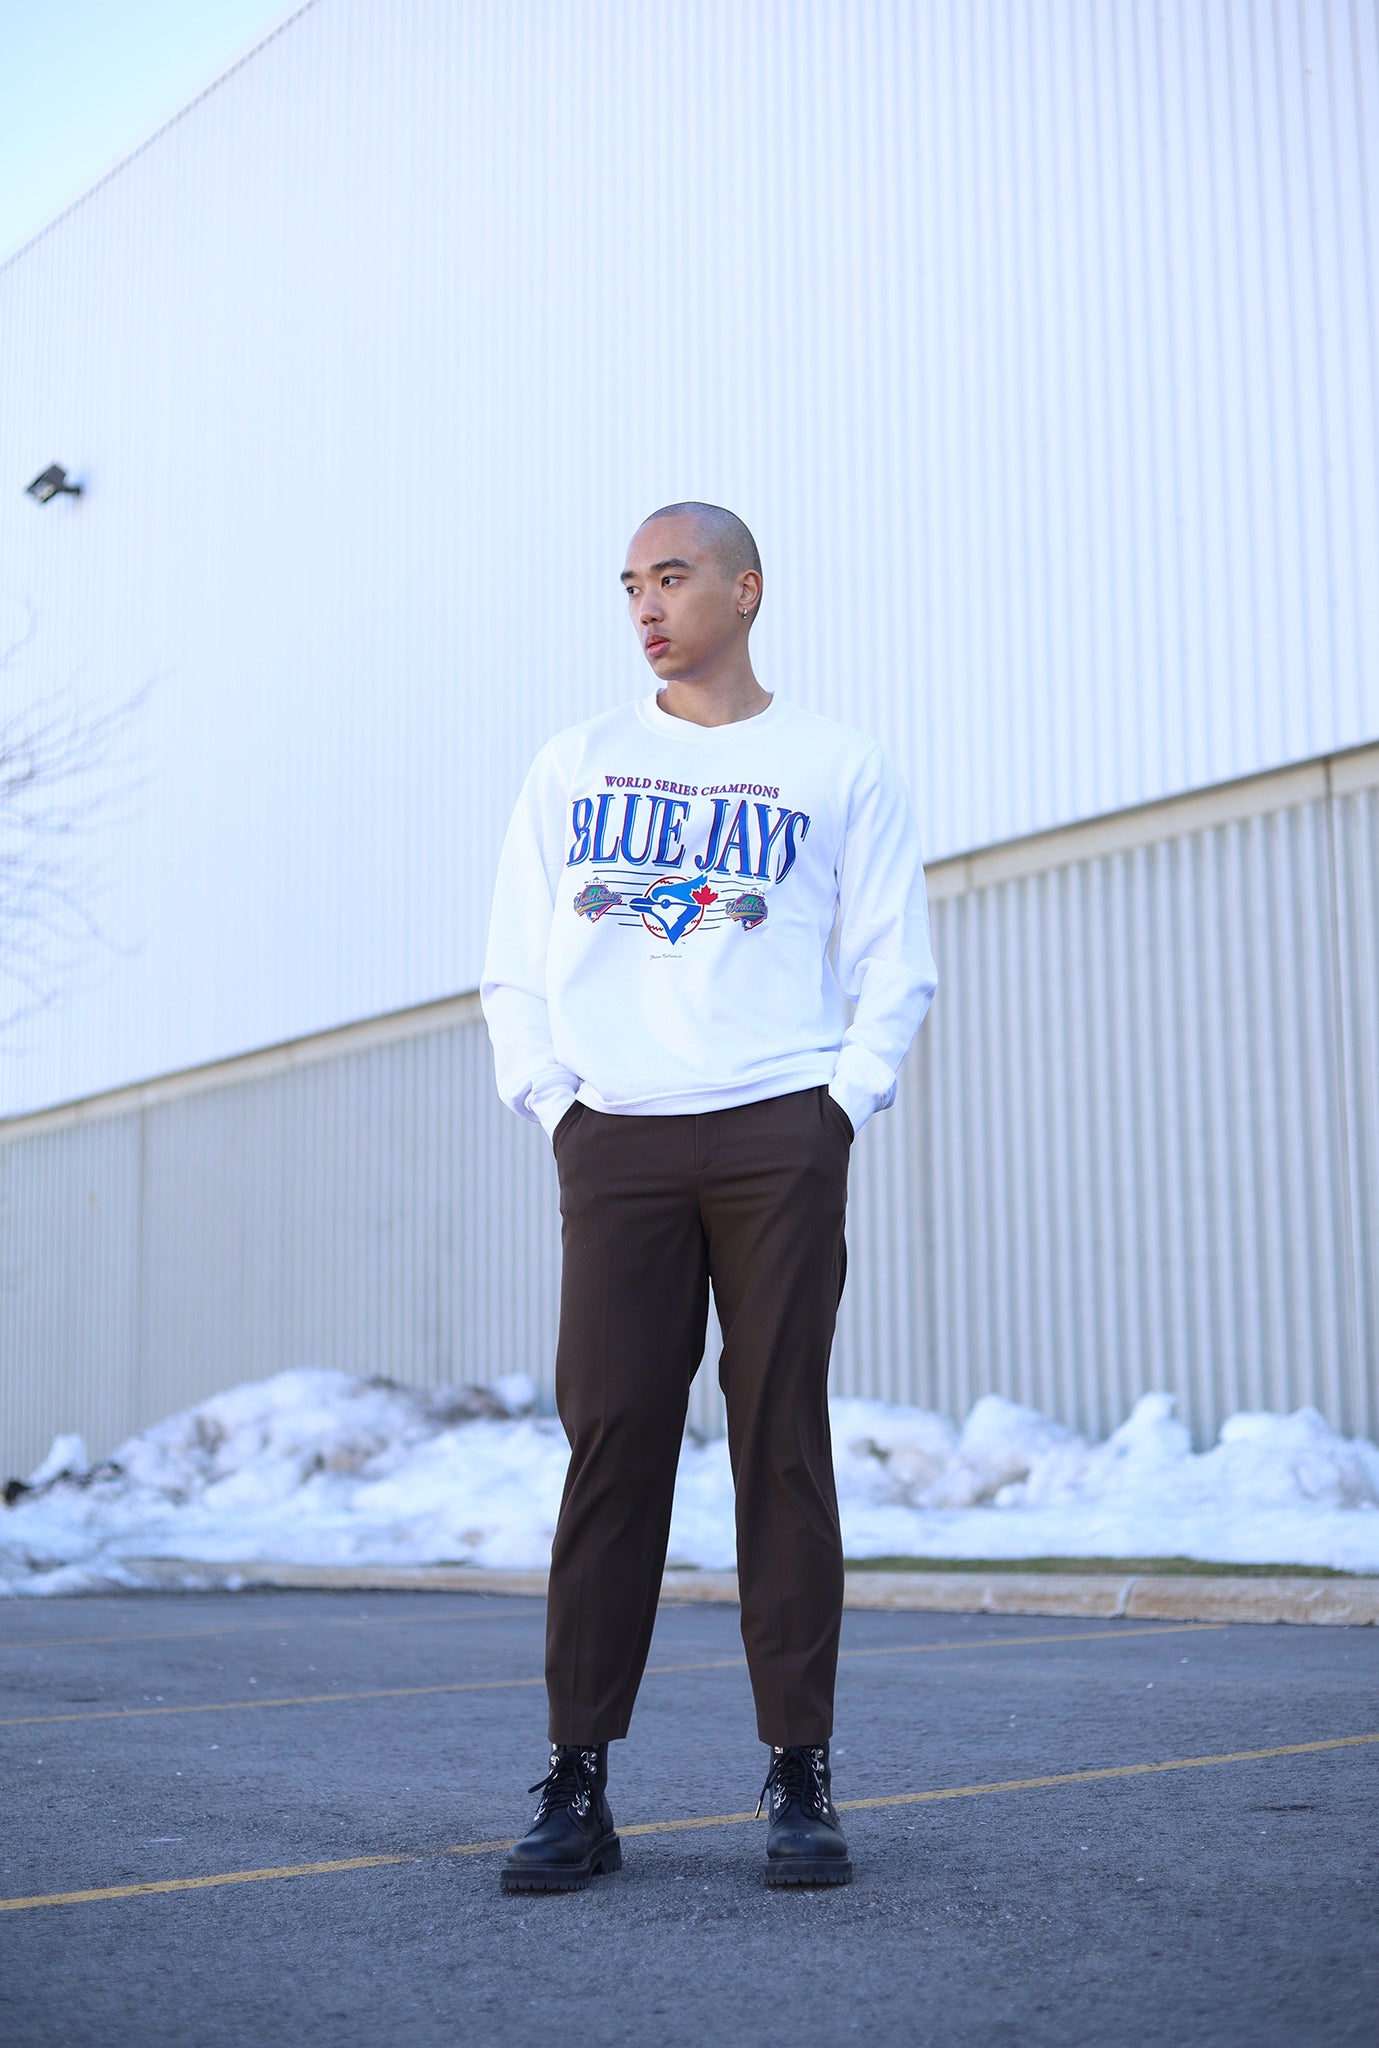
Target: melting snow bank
[[317, 1468]]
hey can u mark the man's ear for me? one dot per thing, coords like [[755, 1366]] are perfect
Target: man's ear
[[747, 592]]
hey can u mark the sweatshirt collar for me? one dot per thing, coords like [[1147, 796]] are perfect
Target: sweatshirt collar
[[650, 713]]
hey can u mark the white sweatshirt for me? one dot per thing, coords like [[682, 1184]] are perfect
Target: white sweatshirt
[[683, 912]]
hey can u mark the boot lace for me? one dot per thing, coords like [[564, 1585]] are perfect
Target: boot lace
[[568, 1783], [795, 1774]]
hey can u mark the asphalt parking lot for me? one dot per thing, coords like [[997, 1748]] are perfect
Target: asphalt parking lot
[[267, 1817]]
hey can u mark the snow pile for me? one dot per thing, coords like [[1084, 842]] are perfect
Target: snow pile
[[318, 1468], [306, 1468], [1274, 1489]]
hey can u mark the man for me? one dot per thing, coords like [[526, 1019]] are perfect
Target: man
[[691, 890]]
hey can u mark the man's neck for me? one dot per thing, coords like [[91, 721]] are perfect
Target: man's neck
[[719, 700]]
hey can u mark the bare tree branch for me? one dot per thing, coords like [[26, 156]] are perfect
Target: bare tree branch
[[65, 767]]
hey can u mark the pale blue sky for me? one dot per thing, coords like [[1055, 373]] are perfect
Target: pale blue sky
[[82, 82]]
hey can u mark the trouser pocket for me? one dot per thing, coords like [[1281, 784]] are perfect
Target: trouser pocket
[[570, 1117], [834, 1108]]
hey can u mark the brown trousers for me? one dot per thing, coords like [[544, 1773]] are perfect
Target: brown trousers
[[654, 1208]]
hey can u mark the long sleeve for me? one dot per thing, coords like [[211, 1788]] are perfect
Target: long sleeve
[[884, 960], [531, 1079]]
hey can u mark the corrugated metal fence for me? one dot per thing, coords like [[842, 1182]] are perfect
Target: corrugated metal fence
[[1137, 1146]]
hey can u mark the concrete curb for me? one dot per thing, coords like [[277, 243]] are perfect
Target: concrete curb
[[1350, 1603]]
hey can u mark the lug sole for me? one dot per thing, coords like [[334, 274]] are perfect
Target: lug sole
[[823, 1870], [563, 1877]]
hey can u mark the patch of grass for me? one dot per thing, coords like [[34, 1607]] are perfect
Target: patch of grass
[[1122, 1567]]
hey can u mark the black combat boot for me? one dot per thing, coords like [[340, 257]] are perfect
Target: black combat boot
[[804, 1842], [571, 1838]]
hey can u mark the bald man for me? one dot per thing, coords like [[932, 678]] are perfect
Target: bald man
[[691, 892]]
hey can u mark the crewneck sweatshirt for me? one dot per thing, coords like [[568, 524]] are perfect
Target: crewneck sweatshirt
[[684, 914]]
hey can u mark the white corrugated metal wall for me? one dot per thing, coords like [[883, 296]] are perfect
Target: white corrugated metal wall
[[373, 1210], [1137, 1146], [1037, 338], [1145, 1140]]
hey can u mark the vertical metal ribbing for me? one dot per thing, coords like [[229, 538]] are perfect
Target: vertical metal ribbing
[[1355, 859], [69, 1205], [1135, 1172]]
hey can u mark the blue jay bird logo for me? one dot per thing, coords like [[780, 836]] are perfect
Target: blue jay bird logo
[[671, 908]]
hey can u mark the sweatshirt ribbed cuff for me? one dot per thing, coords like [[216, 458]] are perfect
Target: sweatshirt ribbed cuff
[[861, 1084], [549, 1102]]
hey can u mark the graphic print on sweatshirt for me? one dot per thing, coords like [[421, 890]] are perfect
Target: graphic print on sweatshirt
[[673, 860]]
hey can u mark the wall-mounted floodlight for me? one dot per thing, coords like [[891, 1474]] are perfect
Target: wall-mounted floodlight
[[51, 484]]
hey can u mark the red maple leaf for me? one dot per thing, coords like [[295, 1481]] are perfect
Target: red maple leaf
[[704, 895]]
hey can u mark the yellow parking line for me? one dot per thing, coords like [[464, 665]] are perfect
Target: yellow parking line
[[405, 1692], [1086, 1635], [244, 1628], [1180, 1763], [670, 1827], [196, 1884], [409, 1692], [305, 1699]]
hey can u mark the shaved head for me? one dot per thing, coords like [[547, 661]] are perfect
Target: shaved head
[[727, 538], [693, 585]]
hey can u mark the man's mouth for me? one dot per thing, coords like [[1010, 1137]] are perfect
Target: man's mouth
[[655, 642]]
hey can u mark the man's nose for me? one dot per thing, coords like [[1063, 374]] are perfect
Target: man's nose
[[649, 608]]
